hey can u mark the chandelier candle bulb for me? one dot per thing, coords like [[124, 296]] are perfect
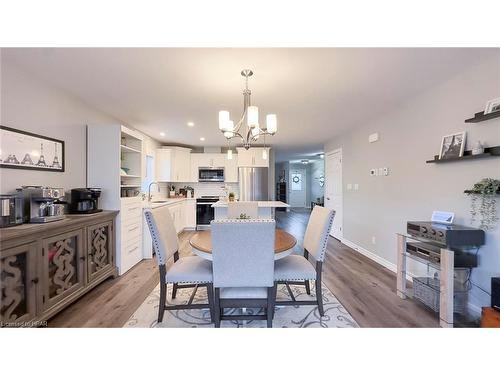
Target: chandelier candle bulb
[[229, 154], [264, 154], [253, 116], [223, 119], [272, 123]]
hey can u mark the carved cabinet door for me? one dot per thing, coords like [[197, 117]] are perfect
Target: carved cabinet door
[[63, 266], [99, 249], [18, 279]]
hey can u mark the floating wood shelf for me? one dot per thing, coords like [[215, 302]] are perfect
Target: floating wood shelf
[[480, 116], [488, 153]]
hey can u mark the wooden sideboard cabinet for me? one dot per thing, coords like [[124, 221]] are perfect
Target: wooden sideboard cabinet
[[45, 267]]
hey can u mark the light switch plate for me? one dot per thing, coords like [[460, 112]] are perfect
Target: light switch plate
[[373, 137], [349, 186], [356, 186]]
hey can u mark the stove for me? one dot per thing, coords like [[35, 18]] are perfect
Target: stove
[[205, 213]]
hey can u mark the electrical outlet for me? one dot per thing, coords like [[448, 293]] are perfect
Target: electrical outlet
[[374, 240], [386, 171]]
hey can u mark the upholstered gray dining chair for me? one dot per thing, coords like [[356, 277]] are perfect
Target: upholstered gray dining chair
[[243, 264], [185, 272], [297, 269], [235, 209]]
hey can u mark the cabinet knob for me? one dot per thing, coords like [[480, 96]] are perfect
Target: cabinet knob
[[35, 280]]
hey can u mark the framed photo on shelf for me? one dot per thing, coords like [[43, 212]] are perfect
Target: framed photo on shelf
[[452, 146], [24, 150], [492, 106]]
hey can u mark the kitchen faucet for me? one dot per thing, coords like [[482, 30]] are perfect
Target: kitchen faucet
[[149, 189]]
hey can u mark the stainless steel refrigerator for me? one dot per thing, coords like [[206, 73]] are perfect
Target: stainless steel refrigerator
[[253, 184]]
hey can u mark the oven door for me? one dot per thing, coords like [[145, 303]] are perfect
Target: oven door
[[205, 213], [211, 175]]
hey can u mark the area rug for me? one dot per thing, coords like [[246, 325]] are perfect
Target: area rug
[[336, 316]]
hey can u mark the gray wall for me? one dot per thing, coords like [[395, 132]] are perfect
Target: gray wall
[[32, 105], [410, 135]]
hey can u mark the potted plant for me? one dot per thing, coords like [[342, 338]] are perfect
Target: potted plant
[[483, 202], [231, 197]]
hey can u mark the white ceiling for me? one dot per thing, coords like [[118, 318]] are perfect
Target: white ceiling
[[316, 93]]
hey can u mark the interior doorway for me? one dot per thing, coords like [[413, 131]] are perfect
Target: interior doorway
[[333, 190], [298, 186]]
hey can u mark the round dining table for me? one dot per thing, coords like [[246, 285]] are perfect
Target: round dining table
[[201, 243]]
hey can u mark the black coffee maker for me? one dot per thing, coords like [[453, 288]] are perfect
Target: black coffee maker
[[85, 201]]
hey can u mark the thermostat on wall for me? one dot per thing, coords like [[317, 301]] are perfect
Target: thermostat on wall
[[442, 217]]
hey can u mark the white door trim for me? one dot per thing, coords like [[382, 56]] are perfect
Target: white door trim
[[338, 150]]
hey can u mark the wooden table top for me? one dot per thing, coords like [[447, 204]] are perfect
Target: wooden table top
[[202, 241]]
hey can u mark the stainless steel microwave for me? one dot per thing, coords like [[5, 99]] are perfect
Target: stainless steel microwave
[[211, 174]]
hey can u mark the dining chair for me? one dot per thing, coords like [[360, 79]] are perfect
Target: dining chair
[[243, 265], [185, 272], [297, 269], [250, 209]]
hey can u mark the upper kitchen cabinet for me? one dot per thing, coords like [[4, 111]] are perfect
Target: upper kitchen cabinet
[[231, 169], [173, 164], [252, 157], [211, 160]]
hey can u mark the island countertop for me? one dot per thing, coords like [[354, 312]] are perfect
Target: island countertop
[[261, 204]]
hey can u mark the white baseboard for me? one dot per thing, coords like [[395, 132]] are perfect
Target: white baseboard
[[369, 254], [473, 309]]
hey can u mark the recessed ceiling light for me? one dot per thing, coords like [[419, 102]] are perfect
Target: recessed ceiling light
[[162, 134], [190, 124], [202, 138]]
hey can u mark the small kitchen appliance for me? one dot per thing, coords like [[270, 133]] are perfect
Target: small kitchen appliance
[[85, 201], [42, 204], [11, 210]]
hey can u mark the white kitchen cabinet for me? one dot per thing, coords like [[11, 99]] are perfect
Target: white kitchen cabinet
[[195, 163], [231, 169], [252, 157], [190, 214], [109, 149], [211, 160], [173, 164]]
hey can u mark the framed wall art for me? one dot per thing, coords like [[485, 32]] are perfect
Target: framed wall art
[[23, 150]]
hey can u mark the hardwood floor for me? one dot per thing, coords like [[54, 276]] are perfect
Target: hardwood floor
[[365, 288]]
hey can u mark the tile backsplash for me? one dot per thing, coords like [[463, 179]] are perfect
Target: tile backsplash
[[202, 188]]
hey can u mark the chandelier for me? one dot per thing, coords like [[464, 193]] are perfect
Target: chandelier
[[247, 128]]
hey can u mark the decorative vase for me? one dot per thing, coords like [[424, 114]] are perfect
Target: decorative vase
[[478, 149]]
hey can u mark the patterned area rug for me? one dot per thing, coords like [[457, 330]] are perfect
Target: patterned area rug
[[336, 316]]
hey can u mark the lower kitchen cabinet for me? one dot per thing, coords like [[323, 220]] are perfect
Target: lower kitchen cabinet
[[45, 267]]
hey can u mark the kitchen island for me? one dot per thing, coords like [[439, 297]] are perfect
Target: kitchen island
[[266, 209]]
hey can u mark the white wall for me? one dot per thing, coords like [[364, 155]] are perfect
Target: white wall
[[30, 104], [410, 135]]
